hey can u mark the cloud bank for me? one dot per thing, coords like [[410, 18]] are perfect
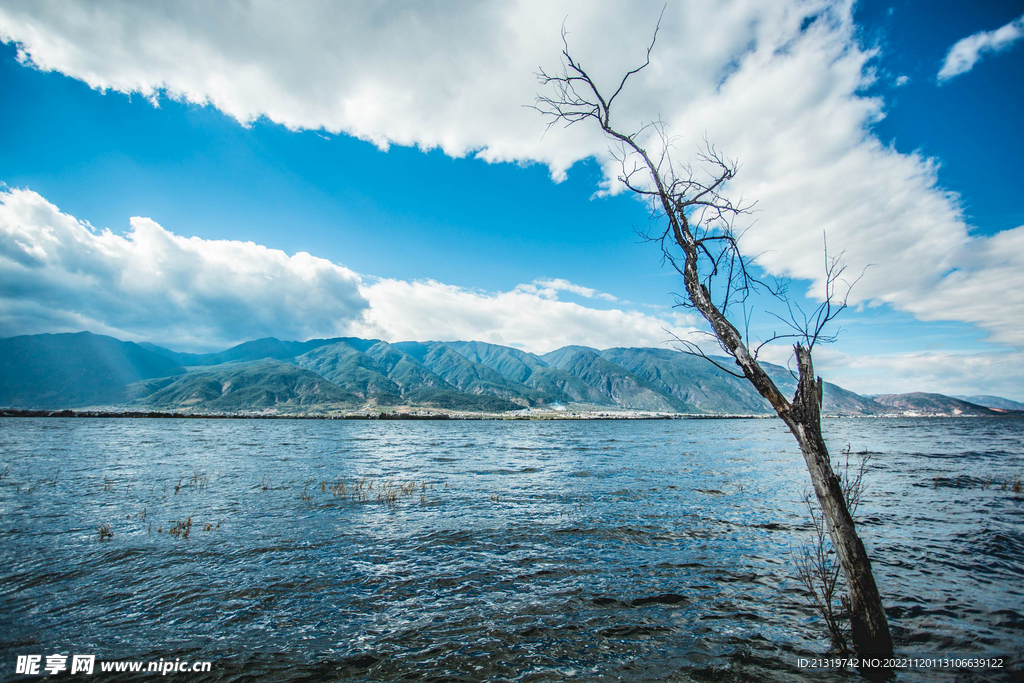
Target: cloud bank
[[986, 288], [549, 288], [532, 321], [59, 274], [968, 51], [780, 86]]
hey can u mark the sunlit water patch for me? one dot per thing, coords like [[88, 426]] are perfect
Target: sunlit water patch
[[471, 551]]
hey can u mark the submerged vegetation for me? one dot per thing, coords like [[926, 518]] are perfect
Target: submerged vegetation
[[815, 563], [181, 527], [198, 481], [387, 491]]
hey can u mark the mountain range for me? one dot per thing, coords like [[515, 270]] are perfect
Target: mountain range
[[346, 374]]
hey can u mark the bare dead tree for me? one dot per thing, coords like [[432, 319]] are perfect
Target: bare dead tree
[[698, 239]]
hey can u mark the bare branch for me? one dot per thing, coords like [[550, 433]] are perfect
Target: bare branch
[[692, 349]]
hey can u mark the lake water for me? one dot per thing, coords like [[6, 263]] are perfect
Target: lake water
[[528, 551]]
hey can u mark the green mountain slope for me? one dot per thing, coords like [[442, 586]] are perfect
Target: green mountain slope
[[384, 374], [352, 370], [510, 363], [421, 386], [469, 376], [257, 349], [85, 370], [614, 383], [253, 385], [74, 370], [526, 368], [692, 380]]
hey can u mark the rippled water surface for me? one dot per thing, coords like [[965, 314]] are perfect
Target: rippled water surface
[[528, 551]]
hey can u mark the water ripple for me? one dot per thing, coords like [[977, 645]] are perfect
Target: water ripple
[[518, 551]]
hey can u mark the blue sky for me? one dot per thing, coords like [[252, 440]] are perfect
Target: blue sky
[[971, 123], [444, 206]]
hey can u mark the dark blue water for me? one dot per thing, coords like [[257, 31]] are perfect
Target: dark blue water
[[520, 551]]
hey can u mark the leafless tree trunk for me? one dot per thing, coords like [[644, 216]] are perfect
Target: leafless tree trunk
[[698, 240], [816, 565]]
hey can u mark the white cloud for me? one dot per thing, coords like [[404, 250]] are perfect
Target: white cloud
[[549, 289], [902, 81], [395, 73], [58, 273], [780, 86], [987, 288], [966, 52], [529, 320]]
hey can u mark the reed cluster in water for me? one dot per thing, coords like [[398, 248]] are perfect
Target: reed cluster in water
[[198, 481], [389, 491]]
